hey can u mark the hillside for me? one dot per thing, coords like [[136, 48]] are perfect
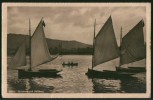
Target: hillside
[[55, 46]]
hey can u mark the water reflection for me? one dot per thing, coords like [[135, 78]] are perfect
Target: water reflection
[[29, 85], [106, 86], [122, 85], [17, 85], [133, 85]]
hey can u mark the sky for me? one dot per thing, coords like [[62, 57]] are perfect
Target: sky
[[73, 23]]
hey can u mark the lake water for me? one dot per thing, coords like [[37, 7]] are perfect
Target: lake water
[[74, 80]]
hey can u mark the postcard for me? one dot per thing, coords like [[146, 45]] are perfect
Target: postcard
[[76, 50]]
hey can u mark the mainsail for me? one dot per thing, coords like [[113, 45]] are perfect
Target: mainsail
[[105, 46], [133, 46], [39, 49], [20, 57]]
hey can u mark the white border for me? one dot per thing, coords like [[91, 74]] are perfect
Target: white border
[[76, 95]]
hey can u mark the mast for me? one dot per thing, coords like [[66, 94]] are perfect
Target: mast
[[30, 44], [120, 45], [93, 45]]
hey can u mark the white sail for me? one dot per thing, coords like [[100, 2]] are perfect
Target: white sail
[[133, 47], [20, 57], [39, 49], [105, 46]]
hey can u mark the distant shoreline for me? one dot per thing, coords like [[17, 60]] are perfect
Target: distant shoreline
[[54, 46]]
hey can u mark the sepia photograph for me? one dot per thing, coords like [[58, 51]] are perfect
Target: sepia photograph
[[76, 50]]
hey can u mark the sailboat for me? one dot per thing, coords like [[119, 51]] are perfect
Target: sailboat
[[105, 48], [132, 48], [39, 54]]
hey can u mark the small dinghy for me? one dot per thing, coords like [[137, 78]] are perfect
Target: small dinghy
[[70, 64]]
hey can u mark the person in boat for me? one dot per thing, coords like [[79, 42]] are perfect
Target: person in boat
[[63, 63], [71, 63]]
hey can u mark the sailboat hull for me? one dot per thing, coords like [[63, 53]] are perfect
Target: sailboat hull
[[106, 74], [131, 69], [41, 73]]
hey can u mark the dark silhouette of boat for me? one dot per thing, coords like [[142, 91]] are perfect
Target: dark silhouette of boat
[[131, 69], [39, 55], [51, 73], [107, 74], [70, 64]]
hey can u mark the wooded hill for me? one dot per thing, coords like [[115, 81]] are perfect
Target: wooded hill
[[55, 46]]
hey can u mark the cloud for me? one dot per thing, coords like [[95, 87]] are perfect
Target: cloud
[[73, 23]]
